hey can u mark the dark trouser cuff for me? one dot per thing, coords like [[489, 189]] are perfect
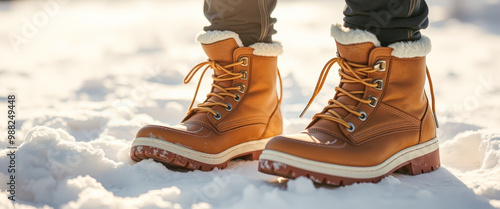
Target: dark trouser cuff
[[250, 19], [390, 20]]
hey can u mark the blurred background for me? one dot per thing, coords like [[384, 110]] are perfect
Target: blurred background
[[99, 70], [134, 54]]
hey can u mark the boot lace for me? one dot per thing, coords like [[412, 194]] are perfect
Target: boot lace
[[350, 73], [226, 76]]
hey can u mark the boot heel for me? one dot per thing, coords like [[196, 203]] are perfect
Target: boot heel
[[252, 155], [422, 164]]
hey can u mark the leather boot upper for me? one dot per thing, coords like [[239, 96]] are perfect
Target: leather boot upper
[[380, 107], [243, 104]]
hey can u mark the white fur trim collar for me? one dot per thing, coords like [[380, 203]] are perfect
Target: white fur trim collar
[[409, 49], [348, 36], [211, 37], [260, 49], [267, 49], [403, 49]]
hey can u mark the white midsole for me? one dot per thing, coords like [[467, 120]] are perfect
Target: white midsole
[[214, 159], [351, 171]]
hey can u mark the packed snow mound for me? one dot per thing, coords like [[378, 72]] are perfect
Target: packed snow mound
[[48, 157], [65, 173], [94, 195], [472, 150], [474, 156]]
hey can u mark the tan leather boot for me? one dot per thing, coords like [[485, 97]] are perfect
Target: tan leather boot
[[378, 122], [239, 116]]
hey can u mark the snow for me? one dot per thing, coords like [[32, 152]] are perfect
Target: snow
[[89, 74]]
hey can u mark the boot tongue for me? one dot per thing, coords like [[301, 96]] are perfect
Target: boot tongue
[[356, 53], [222, 53]]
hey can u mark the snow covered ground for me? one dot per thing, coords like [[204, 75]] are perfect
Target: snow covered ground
[[88, 74]]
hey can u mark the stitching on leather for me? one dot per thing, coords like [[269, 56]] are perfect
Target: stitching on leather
[[220, 43], [263, 57], [408, 59], [399, 113], [235, 129], [411, 122], [241, 121], [383, 127], [357, 45], [387, 132]]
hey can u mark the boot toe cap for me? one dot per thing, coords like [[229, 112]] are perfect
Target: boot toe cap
[[190, 136]]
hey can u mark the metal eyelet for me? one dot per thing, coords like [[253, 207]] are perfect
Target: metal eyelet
[[229, 107], [379, 83], [245, 74], [242, 88], [363, 116], [380, 65], [245, 61], [218, 116], [237, 98], [351, 127], [373, 101]]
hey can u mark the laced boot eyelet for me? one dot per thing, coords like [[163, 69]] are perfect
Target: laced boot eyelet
[[363, 116], [351, 127], [379, 83], [245, 61], [218, 116], [229, 107], [373, 101], [242, 87], [237, 98], [380, 65], [245, 74]]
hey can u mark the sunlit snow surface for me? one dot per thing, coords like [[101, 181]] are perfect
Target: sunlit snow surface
[[88, 74]]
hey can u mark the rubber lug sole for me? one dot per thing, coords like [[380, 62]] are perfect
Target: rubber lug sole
[[173, 160], [423, 164]]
